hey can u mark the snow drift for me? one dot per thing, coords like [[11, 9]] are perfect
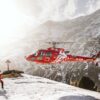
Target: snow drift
[[37, 88]]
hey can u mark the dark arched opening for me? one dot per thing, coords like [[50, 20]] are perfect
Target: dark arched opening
[[86, 83]]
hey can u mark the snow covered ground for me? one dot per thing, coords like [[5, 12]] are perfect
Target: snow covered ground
[[37, 88]]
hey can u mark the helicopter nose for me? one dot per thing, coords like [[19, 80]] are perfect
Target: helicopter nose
[[30, 58]]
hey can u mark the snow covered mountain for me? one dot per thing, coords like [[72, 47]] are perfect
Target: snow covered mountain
[[37, 88], [79, 30]]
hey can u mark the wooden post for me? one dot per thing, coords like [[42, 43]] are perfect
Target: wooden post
[[8, 62]]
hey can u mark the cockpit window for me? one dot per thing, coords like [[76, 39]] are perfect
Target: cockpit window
[[35, 54], [48, 54], [42, 53]]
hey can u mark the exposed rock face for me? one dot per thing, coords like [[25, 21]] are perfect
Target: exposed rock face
[[86, 83]]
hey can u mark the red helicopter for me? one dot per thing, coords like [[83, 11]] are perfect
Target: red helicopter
[[57, 55]]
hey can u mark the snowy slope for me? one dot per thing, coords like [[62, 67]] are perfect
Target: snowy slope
[[37, 88]]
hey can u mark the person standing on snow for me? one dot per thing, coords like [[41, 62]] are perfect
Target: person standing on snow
[[1, 81]]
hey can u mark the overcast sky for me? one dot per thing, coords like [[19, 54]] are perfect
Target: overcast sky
[[57, 9]]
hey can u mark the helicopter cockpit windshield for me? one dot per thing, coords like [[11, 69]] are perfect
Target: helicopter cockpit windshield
[[35, 54]]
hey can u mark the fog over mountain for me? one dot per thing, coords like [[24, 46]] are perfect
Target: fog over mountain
[[48, 20], [57, 10], [18, 18], [79, 31]]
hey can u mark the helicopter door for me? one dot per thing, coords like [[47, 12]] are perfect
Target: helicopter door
[[48, 56], [40, 56]]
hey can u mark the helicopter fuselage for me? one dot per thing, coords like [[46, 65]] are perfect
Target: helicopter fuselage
[[56, 55], [45, 56]]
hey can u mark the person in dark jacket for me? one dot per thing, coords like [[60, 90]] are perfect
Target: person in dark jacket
[[1, 81]]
